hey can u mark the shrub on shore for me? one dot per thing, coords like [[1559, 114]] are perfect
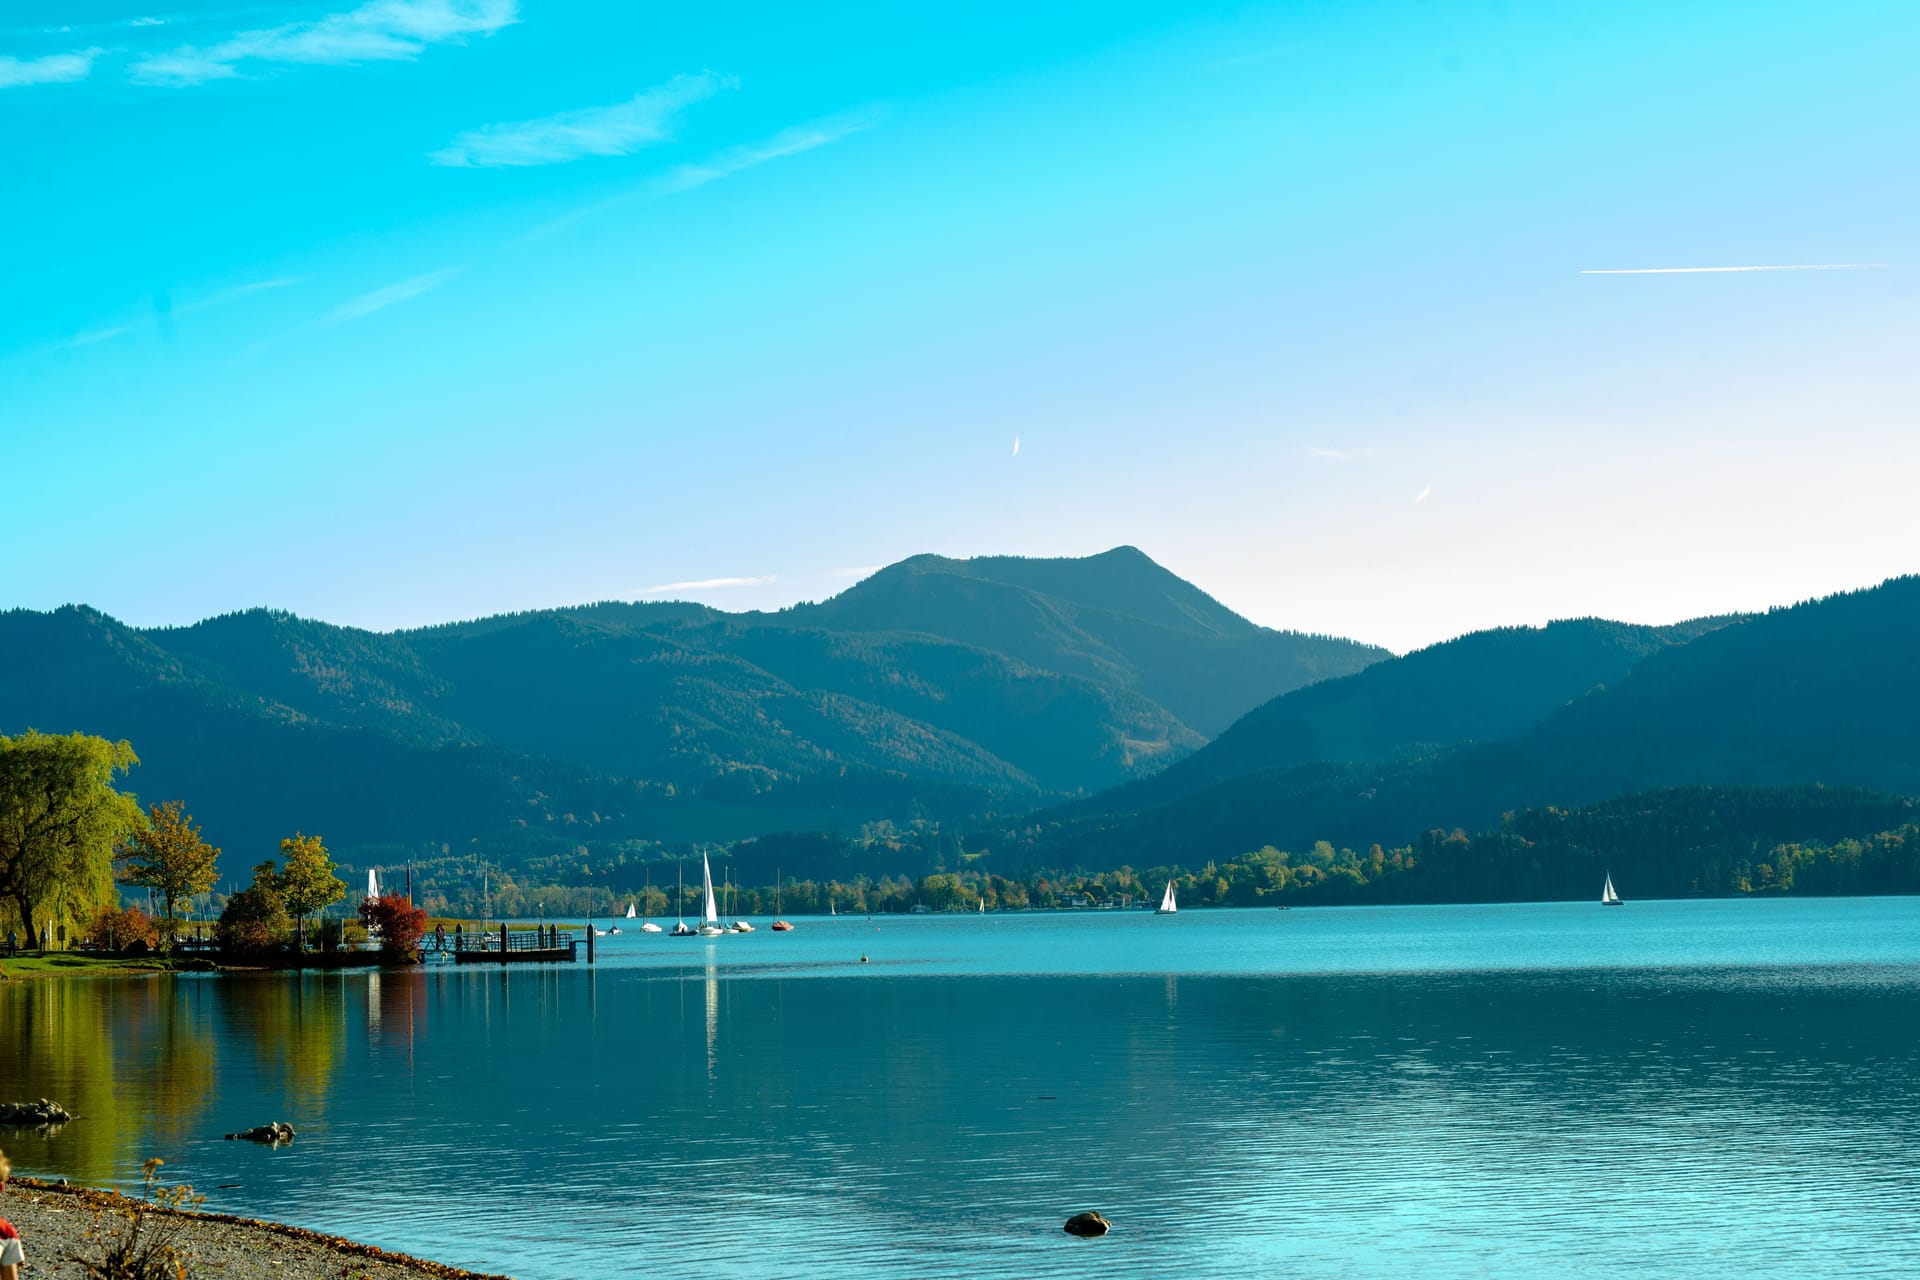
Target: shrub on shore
[[118, 930], [401, 926]]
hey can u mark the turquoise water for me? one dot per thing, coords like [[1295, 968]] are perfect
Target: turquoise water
[[1690, 1089]]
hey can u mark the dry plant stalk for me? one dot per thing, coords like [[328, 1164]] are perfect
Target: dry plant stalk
[[149, 1248]]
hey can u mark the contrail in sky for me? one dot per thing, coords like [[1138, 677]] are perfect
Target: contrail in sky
[[1696, 271]]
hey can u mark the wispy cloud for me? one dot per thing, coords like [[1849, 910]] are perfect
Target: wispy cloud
[[617, 130], [55, 68], [1707, 271], [377, 31], [709, 584], [1241, 59], [391, 295], [1342, 455], [149, 22], [236, 293], [788, 142], [1423, 495], [88, 337], [1016, 446]]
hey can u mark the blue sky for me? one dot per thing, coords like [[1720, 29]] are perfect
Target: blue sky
[[410, 310]]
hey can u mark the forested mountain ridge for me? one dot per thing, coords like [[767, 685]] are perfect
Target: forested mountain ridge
[[1034, 679], [1116, 618], [1481, 687], [1820, 692]]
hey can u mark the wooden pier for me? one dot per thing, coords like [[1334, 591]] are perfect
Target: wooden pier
[[546, 944]]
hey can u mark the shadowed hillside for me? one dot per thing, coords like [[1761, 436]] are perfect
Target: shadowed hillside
[[937, 689], [1822, 692], [1482, 687]]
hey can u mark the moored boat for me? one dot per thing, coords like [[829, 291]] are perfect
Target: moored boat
[[779, 925], [682, 929], [709, 914]]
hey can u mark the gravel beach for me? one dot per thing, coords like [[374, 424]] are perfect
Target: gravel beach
[[56, 1222]]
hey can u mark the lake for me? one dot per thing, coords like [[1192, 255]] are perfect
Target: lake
[[1687, 1089]]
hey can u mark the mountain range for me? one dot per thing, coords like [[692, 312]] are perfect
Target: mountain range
[[1039, 713], [955, 690], [1457, 735]]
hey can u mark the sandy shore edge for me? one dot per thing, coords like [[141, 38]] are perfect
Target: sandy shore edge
[[58, 1221]]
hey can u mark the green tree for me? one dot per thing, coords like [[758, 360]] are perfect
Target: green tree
[[60, 821], [169, 856], [308, 883], [255, 919]]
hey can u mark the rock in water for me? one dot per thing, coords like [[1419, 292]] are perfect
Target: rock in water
[[1087, 1224], [33, 1113], [272, 1134]]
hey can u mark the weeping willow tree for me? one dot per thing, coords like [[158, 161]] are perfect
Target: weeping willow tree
[[60, 822]]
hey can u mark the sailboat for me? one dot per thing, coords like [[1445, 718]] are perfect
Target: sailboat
[[373, 891], [631, 913], [1167, 905], [732, 897], [709, 914], [779, 925], [646, 926], [680, 930], [983, 906], [1608, 898]]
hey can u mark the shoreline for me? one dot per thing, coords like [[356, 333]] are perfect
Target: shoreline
[[57, 1221]]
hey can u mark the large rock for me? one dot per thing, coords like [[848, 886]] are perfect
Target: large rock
[[33, 1113], [272, 1134], [1087, 1224]]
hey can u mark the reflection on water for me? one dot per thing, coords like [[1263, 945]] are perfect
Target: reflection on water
[[713, 1018], [691, 1116]]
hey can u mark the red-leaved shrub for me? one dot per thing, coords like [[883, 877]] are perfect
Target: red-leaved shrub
[[400, 924]]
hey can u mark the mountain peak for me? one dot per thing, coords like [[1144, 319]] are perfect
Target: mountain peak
[[1123, 581]]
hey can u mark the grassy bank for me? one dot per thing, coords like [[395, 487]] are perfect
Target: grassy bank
[[75, 964]]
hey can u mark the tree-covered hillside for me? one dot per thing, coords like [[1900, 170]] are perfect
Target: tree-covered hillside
[[649, 722], [1481, 687], [1822, 692], [1117, 619]]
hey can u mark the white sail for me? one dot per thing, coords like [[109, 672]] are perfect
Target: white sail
[[711, 914], [1167, 905], [631, 913], [1607, 896], [373, 883]]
